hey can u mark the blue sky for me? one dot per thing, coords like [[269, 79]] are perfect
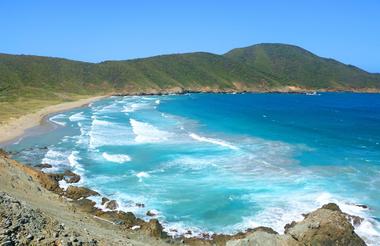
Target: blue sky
[[347, 30]]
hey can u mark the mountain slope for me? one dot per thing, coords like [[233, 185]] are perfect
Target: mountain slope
[[293, 65], [32, 82]]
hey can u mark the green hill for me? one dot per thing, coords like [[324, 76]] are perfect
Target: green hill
[[292, 65], [31, 82]]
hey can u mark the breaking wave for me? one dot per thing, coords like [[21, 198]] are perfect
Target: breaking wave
[[213, 141], [147, 133], [116, 158]]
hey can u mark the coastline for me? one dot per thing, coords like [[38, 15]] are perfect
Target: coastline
[[15, 128], [43, 120], [70, 212]]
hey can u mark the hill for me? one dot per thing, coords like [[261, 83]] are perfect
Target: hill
[[31, 82], [292, 65]]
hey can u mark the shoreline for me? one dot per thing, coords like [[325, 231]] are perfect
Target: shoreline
[[325, 225], [17, 128], [44, 119]]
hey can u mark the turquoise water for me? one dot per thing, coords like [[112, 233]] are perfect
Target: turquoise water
[[223, 163]]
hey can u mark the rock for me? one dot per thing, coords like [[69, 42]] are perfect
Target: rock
[[331, 206], [118, 217], [264, 229], [263, 238], [44, 165], [288, 226], [30, 237], [48, 181], [355, 220], [104, 200], [154, 228], [71, 177], [87, 205], [3, 153], [325, 226], [151, 213], [362, 206], [140, 205], [56, 176], [112, 205], [75, 192]]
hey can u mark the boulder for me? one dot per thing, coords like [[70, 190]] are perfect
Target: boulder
[[151, 213], [56, 176], [362, 206], [3, 153], [86, 205], [325, 226], [154, 228], [71, 177], [76, 193], [43, 165], [140, 205], [112, 205], [104, 200], [355, 220], [49, 182], [119, 217]]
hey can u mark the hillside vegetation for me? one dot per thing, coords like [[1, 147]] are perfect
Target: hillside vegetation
[[31, 82]]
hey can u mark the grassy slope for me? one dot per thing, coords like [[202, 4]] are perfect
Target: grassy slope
[[28, 83], [293, 65]]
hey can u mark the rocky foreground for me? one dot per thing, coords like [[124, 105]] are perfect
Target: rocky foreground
[[34, 210]]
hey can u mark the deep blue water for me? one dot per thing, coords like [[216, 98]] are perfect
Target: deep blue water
[[223, 163]]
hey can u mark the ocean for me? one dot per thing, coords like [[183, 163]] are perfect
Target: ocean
[[222, 162]]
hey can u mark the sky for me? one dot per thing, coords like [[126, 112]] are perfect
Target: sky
[[94, 31]]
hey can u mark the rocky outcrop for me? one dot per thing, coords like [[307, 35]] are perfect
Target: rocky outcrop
[[22, 225], [154, 229], [112, 205], [42, 166], [325, 226], [71, 177], [3, 153], [151, 213], [76, 193], [104, 200], [263, 238]]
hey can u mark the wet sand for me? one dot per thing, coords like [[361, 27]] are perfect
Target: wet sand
[[15, 129]]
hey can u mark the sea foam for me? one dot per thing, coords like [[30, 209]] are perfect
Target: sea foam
[[213, 141], [147, 133], [77, 117], [116, 158], [56, 119], [142, 175]]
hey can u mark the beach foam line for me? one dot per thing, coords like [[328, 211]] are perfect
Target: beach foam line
[[118, 158], [77, 117], [213, 141], [55, 120]]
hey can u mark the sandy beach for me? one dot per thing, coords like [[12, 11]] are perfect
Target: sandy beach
[[15, 128]]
